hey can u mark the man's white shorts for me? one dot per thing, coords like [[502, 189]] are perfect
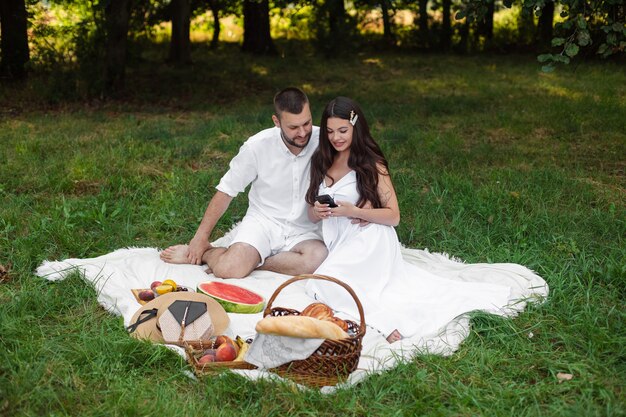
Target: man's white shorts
[[267, 237]]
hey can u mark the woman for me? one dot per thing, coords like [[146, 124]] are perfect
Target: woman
[[399, 299]]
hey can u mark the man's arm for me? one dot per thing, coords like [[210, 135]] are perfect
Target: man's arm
[[214, 211]]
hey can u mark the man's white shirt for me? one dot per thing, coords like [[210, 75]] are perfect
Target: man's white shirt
[[279, 179]]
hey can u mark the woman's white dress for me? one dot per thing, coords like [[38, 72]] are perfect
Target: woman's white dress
[[394, 293]]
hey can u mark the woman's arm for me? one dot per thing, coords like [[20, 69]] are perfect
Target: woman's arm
[[388, 215]]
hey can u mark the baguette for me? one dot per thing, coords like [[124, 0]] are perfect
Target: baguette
[[300, 326]]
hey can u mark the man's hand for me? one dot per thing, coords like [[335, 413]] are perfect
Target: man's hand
[[197, 247], [360, 222]]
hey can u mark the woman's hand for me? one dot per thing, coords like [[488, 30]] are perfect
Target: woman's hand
[[320, 211], [345, 209]]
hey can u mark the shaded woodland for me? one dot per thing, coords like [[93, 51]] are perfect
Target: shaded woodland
[[98, 37]]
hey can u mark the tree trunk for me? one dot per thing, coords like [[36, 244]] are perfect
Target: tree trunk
[[215, 10], [256, 27], [526, 27], [446, 25], [336, 19], [180, 44], [13, 38], [333, 27], [464, 32], [423, 22], [546, 24], [117, 14], [387, 32], [486, 25]]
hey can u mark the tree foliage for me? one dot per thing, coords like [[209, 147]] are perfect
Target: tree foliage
[[87, 41], [593, 25]]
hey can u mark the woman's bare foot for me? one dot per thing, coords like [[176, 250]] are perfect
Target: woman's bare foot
[[176, 254], [394, 336]]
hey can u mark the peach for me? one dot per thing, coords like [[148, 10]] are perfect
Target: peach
[[146, 295], [226, 352], [208, 358], [220, 340]]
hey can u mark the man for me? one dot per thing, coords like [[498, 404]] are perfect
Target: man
[[276, 233]]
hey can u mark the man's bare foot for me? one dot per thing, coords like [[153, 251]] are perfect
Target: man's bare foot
[[176, 254], [394, 336]]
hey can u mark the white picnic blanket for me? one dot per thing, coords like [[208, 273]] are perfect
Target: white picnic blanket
[[114, 275]]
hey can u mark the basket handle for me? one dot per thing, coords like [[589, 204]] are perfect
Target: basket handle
[[268, 306]]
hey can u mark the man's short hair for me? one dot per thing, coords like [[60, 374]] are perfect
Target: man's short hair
[[291, 100]]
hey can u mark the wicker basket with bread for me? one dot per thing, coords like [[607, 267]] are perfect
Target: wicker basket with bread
[[336, 357]]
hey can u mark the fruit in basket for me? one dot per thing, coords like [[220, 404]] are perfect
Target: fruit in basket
[[146, 295], [318, 310], [163, 289], [243, 348], [208, 356], [226, 352], [155, 284], [233, 298], [170, 282], [219, 340]]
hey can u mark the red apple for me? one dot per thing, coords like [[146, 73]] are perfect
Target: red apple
[[155, 284]]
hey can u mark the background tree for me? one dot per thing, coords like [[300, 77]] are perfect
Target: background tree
[[385, 6], [15, 52], [256, 27], [215, 7], [585, 23], [387, 9], [180, 43], [218, 9], [334, 28], [545, 25], [423, 23], [88, 42], [485, 25], [117, 15], [526, 30], [446, 25]]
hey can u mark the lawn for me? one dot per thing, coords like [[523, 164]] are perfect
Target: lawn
[[493, 161]]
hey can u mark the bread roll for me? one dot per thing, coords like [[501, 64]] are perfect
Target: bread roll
[[339, 322], [317, 310], [300, 326]]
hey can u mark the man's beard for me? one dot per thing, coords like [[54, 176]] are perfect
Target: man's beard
[[291, 142]]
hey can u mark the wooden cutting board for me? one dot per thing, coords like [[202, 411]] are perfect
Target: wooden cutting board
[[136, 292]]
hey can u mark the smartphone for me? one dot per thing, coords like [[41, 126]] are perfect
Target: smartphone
[[326, 199]]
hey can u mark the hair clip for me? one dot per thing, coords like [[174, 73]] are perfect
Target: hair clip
[[353, 117]]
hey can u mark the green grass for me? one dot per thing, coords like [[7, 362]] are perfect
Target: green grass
[[493, 161]]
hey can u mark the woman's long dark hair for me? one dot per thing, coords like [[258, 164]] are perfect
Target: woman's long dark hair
[[365, 154]]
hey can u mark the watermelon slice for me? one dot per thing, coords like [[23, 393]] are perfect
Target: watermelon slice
[[233, 298]]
